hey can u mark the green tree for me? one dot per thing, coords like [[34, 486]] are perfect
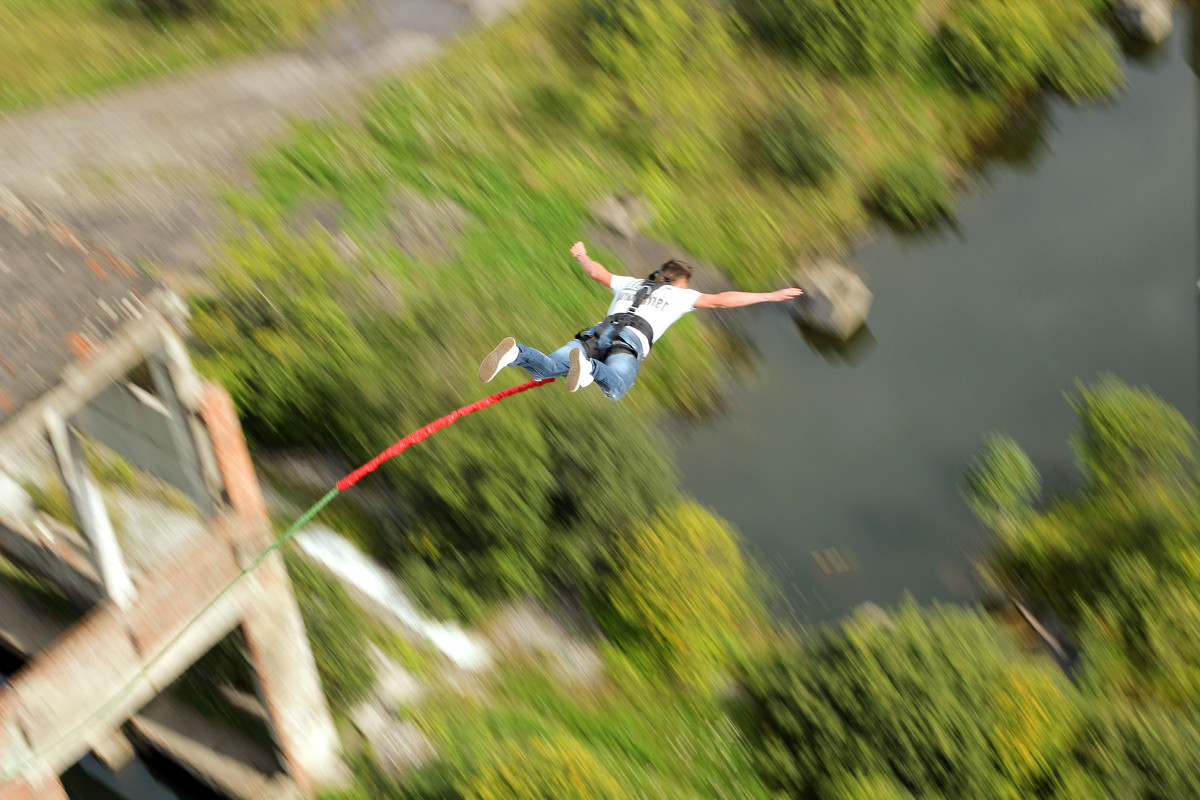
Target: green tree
[[911, 191], [997, 45], [1137, 460], [1118, 559], [1002, 483], [936, 703], [1130, 441], [680, 591]]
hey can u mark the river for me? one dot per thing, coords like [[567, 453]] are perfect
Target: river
[[1078, 262]]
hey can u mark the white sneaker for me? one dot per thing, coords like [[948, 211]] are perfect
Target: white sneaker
[[580, 373], [505, 353]]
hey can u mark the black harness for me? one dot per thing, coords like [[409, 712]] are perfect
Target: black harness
[[612, 325]]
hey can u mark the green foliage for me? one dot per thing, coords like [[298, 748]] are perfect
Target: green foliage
[[627, 36], [1139, 637], [680, 591], [842, 37], [792, 142], [936, 703], [553, 768], [338, 633], [1137, 459], [279, 337], [1131, 441], [1009, 46], [1120, 558], [911, 191], [869, 787], [108, 467], [1140, 752], [657, 96], [1001, 484], [997, 45], [654, 740], [1085, 63]]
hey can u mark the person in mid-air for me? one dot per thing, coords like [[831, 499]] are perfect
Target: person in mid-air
[[611, 351]]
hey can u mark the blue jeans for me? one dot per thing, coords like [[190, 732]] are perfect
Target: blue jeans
[[615, 374]]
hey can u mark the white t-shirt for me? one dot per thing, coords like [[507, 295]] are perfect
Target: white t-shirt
[[661, 309]]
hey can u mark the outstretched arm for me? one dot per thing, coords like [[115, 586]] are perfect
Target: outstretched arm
[[593, 268], [738, 299]]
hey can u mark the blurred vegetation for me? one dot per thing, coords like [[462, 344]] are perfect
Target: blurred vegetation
[[912, 191], [843, 38], [554, 768], [49, 50], [1118, 559], [791, 142], [680, 593], [634, 737], [942, 704]]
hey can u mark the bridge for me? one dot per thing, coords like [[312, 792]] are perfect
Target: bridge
[[92, 359]]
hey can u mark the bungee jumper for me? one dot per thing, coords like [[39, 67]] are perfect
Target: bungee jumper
[[611, 352]]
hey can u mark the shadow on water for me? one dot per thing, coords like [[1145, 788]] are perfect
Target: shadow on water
[[851, 352]]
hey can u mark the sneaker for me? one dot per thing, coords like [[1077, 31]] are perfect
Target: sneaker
[[505, 353], [580, 373]]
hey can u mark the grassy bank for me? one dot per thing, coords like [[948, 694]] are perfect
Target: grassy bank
[[50, 49]]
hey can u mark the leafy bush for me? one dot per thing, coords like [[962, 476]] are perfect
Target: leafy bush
[[1001, 484], [1137, 458], [792, 142], [667, 35], [1142, 753], [1084, 64], [680, 590], [1139, 638], [997, 45], [1131, 441], [842, 37], [938, 703], [911, 191], [559, 767]]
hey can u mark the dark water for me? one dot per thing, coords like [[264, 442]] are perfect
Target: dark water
[[1081, 263]]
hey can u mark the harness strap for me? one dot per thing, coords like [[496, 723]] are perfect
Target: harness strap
[[615, 323]]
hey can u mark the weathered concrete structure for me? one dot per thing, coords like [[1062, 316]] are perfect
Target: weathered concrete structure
[[91, 354]]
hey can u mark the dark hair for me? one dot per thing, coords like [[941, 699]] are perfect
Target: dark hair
[[672, 271]]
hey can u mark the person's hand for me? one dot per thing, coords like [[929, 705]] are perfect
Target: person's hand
[[578, 250], [780, 295]]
